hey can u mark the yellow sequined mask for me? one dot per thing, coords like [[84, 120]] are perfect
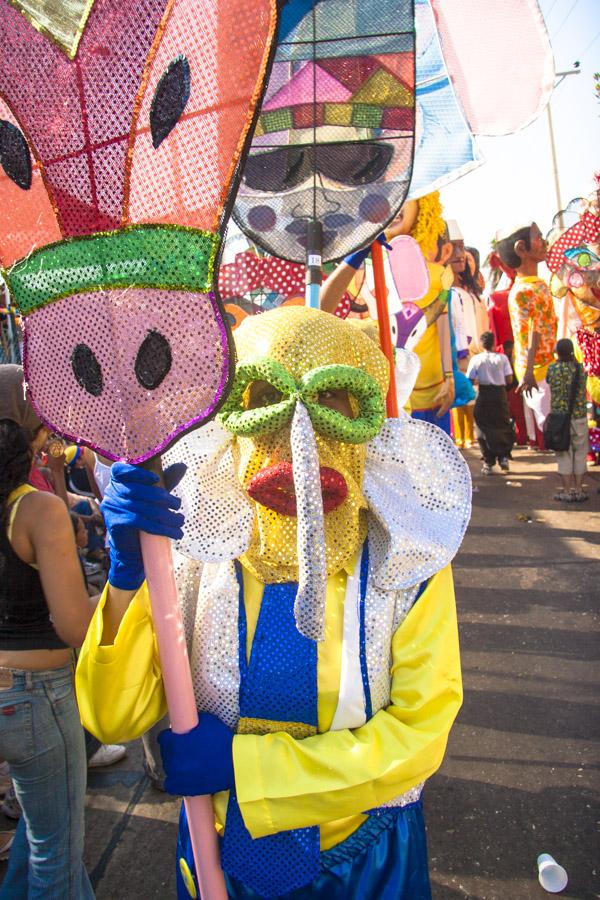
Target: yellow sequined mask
[[303, 356]]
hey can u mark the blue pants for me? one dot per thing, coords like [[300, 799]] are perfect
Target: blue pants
[[384, 859], [429, 415], [42, 739]]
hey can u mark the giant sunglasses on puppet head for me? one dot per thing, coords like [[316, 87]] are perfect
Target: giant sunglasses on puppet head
[[334, 139], [122, 127]]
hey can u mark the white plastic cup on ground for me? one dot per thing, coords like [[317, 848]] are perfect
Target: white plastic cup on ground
[[552, 877]]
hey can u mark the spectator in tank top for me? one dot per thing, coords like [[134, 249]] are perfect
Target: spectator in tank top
[[44, 612]]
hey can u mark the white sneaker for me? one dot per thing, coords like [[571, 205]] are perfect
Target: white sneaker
[[486, 469], [106, 755]]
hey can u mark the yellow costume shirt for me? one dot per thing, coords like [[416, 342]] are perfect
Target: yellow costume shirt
[[327, 779], [431, 374]]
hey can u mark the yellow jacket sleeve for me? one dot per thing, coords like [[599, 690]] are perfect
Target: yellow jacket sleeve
[[283, 783], [119, 686]]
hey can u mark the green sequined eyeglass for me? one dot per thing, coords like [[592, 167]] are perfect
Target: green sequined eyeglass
[[264, 395]]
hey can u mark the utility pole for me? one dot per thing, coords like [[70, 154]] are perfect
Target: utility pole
[[560, 77]]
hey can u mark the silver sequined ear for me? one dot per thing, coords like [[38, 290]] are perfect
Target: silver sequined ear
[[309, 608], [418, 488], [218, 515]]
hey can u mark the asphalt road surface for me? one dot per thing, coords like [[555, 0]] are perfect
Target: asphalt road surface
[[520, 775]]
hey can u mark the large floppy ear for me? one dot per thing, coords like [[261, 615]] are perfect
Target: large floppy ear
[[195, 109], [27, 217], [219, 517], [418, 488]]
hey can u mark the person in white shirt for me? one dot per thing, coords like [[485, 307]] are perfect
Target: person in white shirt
[[492, 374]]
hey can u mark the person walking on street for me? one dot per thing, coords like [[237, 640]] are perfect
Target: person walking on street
[[572, 463], [492, 373]]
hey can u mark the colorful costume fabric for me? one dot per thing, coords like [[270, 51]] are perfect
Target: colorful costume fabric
[[342, 690], [334, 140], [560, 378], [531, 309], [123, 128], [574, 260]]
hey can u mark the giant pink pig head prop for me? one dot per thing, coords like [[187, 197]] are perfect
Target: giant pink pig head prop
[[123, 127]]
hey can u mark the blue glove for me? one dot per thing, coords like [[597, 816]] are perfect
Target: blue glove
[[200, 761], [134, 502], [355, 260]]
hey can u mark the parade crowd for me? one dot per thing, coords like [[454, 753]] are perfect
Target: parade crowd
[[496, 361]]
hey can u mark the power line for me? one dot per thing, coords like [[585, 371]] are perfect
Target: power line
[[590, 45], [575, 2], [547, 16]]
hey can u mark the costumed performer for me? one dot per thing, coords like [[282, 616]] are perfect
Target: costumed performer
[[316, 591], [469, 320], [532, 314], [574, 260], [434, 391], [499, 319]]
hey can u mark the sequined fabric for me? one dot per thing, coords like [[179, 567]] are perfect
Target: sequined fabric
[[367, 400], [124, 126], [215, 649], [309, 607], [418, 489], [117, 413], [278, 683], [299, 340], [219, 517]]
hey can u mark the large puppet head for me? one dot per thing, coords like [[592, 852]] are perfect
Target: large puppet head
[[334, 140], [411, 315], [122, 127], [574, 260], [306, 371], [423, 220], [306, 465]]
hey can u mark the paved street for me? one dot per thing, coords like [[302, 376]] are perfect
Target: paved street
[[521, 773]]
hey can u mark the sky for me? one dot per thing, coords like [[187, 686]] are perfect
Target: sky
[[516, 182]]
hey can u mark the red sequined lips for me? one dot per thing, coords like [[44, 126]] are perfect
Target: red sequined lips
[[273, 487]]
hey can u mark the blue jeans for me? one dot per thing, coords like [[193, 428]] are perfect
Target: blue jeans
[[42, 739]]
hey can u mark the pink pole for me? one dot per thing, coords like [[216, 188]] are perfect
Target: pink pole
[[177, 679]]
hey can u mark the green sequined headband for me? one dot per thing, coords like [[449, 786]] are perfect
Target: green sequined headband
[[161, 256], [328, 422]]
